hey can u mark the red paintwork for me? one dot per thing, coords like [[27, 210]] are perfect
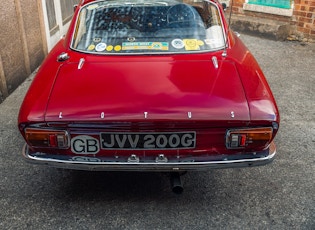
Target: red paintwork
[[165, 86]]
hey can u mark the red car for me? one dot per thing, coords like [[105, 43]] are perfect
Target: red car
[[156, 85]]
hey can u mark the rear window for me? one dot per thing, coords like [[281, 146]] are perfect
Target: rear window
[[146, 27]]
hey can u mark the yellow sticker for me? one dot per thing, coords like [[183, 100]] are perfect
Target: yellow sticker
[[109, 48], [92, 7], [201, 43], [117, 48], [192, 44], [91, 47]]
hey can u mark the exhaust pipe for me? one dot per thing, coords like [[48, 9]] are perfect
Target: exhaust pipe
[[176, 184]]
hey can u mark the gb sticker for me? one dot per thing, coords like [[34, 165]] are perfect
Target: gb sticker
[[84, 144]]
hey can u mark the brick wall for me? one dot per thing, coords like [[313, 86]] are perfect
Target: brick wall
[[302, 21], [304, 14]]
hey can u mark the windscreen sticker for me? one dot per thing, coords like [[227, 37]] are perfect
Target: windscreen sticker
[[109, 48], [210, 41], [201, 43], [178, 43], [145, 46], [117, 48], [92, 7], [91, 47], [101, 47], [97, 40], [193, 44]]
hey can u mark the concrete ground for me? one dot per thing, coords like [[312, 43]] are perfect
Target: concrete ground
[[276, 196]]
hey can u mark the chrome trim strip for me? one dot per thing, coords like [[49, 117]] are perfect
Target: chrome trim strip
[[160, 166], [215, 62], [81, 63]]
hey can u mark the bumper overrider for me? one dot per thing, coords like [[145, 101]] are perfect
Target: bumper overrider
[[133, 163]]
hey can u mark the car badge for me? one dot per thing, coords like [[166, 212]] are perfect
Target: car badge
[[145, 115], [189, 115]]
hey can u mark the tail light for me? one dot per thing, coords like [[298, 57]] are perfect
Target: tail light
[[256, 138], [47, 138]]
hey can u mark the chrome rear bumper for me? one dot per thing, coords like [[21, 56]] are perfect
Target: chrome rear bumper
[[99, 164]]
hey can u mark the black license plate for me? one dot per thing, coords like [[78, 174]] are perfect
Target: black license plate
[[131, 140]]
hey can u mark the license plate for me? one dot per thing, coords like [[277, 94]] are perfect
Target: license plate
[[171, 140]]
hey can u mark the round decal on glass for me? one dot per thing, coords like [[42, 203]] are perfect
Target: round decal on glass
[[109, 48], [117, 48], [178, 43], [91, 47], [100, 47]]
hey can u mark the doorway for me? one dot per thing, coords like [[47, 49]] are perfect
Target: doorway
[[57, 17]]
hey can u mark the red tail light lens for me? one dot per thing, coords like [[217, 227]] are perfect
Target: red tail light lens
[[47, 138], [256, 138]]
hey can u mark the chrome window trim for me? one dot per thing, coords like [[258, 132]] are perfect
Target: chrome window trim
[[225, 46]]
